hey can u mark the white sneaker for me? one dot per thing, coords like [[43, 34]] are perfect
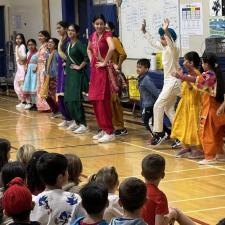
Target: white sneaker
[[99, 135], [107, 138], [73, 126], [63, 124], [207, 162], [28, 106], [20, 105], [81, 129]]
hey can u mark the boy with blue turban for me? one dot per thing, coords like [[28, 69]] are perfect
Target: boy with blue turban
[[171, 88]]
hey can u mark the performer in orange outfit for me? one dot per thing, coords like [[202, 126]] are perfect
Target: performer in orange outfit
[[212, 126]]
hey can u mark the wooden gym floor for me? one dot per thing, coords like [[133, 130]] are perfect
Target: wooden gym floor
[[199, 191]]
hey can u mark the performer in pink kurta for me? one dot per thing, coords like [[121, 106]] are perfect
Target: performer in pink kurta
[[43, 37], [102, 82], [20, 52]]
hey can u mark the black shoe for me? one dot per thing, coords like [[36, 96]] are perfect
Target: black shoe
[[33, 107], [176, 144], [158, 138], [121, 132]]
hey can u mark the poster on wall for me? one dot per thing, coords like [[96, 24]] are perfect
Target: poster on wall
[[215, 7], [217, 26], [191, 19]]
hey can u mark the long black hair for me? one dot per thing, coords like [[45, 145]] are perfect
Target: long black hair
[[4, 151], [211, 60], [22, 38]]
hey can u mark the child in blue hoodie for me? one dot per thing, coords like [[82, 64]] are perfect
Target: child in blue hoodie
[[132, 194]]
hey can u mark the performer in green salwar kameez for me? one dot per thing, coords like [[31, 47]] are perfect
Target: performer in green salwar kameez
[[76, 80]]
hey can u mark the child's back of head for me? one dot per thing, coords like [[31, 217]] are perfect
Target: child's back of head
[[153, 167], [132, 194], [34, 183], [52, 168], [17, 200], [75, 168], [25, 153], [4, 152], [108, 176], [12, 170], [94, 198]]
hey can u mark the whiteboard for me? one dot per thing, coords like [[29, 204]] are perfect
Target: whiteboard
[[154, 11]]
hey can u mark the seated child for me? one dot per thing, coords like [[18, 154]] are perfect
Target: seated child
[[19, 209], [94, 200], [55, 206], [155, 210], [132, 194], [75, 168], [25, 153], [10, 171], [109, 177]]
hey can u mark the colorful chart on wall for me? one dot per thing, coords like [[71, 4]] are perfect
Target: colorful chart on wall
[[153, 11]]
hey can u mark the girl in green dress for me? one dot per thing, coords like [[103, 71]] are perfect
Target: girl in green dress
[[76, 79]]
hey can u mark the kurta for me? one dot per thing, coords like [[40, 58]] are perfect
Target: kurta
[[186, 123], [20, 53], [42, 105], [76, 80], [61, 73], [99, 82], [30, 82]]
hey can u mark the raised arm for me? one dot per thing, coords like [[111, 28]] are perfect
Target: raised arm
[[149, 38], [168, 37]]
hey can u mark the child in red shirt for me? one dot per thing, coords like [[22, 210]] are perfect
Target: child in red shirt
[[156, 211]]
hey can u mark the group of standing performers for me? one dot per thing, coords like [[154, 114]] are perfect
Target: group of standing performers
[[54, 77]]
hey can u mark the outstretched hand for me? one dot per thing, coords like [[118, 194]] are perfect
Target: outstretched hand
[[143, 26], [165, 24]]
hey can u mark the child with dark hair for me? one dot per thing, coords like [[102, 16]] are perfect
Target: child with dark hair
[[55, 206], [94, 200], [34, 183], [21, 56], [20, 208], [155, 210], [221, 222], [48, 90], [186, 122], [109, 177], [75, 168], [30, 82], [43, 37], [132, 194], [171, 87], [5, 147], [62, 28], [212, 84], [148, 92], [9, 172]]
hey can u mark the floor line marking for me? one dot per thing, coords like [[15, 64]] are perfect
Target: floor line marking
[[17, 113], [200, 198], [202, 210], [168, 154]]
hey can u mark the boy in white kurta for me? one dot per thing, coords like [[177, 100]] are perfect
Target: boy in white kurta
[[171, 88]]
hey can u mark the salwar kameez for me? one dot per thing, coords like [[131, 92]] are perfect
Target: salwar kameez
[[102, 83], [74, 82]]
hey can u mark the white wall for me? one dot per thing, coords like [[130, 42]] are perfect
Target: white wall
[[26, 17], [196, 42], [55, 15]]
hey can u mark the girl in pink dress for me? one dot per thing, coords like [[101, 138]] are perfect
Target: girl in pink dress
[[102, 82], [20, 52], [43, 38]]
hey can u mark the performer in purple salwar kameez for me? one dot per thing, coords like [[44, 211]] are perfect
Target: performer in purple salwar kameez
[[62, 48]]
